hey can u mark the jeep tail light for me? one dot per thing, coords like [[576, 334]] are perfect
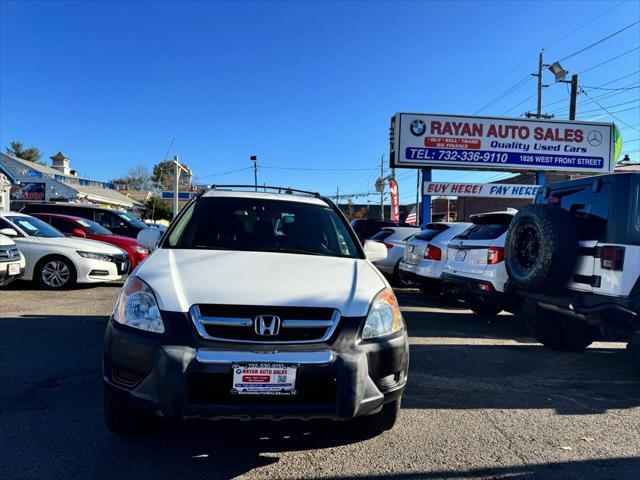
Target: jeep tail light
[[432, 253], [495, 255], [612, 257], [388, 245]]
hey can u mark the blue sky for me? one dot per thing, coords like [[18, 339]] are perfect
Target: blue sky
[[301, 84]]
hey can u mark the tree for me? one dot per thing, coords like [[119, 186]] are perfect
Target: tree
[[137, 178], [156, 209], [16, 149], [163, 175]]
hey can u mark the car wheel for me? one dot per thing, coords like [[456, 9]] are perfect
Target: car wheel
[[541, 249], [121, 417], [56, 273], [633, 347], [481, 307], [382, 421], [557, 331]]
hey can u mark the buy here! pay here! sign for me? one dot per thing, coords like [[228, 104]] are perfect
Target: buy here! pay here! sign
[[485, 143]]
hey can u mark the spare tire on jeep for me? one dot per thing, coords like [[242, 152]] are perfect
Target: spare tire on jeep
[[541, 249]]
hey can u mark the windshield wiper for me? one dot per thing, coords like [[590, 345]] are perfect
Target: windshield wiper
[[295, 250]]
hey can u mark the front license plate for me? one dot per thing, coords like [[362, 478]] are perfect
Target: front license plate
[[460, 255], [263, 379], [14, 269]]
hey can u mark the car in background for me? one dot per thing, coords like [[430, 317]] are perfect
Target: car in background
[[366, 228], [394, 238], [120, 223], [12, 262], [83, 228], [475, 271], [426, 253], [57, 262]]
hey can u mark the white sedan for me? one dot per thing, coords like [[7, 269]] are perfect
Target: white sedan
[[55, 261], [394, 238]]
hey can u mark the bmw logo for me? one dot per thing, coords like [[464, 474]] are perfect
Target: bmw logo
[[418, 127]]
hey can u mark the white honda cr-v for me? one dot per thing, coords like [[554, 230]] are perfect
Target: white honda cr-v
[[256, 305]]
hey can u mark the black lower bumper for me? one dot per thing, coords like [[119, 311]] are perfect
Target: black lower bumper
[[6, 278], [470, 289], [340, 380]]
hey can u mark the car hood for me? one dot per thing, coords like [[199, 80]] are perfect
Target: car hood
[[82, 244], [182, 278], [118, 240]]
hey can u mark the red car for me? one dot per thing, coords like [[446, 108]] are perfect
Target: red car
[[83, 228]]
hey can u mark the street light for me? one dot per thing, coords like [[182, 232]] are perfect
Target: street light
[[558, 72], [254, 159]]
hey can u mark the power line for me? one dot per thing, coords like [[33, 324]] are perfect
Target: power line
[[517, 105], [610, 113], [599, 97], [320, 169], [224, 173], [613, 89], [578, 52], [612, 106], [608, 60], [603, 85], [505, 94]]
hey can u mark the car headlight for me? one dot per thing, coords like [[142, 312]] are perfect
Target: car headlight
[[137, 307], [140, 250], [96, 256], [384, 316]]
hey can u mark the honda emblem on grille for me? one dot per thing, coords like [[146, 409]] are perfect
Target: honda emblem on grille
[[267, 325]]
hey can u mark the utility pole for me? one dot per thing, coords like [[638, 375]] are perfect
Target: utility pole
[[338, 195], [254, 159], [417, 197], [382, 189], [176, 178], [540, 65], [574, 97]]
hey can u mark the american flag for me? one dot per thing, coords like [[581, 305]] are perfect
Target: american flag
[[412, 218]]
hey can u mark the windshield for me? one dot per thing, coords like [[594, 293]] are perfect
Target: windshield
[[35, 227], [259, 225], [131, 220], [94, 227]]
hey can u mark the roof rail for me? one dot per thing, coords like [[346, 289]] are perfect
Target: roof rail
[[282, 190]]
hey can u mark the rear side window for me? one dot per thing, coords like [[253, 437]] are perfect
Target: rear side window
[[430, 232], [381, 235], [589, 209], [485, 231]]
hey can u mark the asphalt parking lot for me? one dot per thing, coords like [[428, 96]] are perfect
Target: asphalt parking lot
[[483, 401]]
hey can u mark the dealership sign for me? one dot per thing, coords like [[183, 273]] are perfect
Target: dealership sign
[[28, 191], [486, 143], [496, 190]]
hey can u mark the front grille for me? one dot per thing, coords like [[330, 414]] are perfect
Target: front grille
[[215, 388], [122, 263], [9, 254], [241, 323]]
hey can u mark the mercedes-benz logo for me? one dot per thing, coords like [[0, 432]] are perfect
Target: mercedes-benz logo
[[594, 138]]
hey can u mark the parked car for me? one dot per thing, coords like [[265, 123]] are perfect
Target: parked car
[[574, 256], [366, 228], [272, 310], [426, 253], [394, 239], [55, 261], [82, 228], [474, 270], [12, 262], [120, 223]]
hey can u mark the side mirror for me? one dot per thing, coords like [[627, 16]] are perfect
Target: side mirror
[[148, 238], [78, 232], [9, 232], [375, 251]]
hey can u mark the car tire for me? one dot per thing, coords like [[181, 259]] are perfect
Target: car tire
[[55, 272], [541, 248], [382, 421], [121, 417], [555, 330], [633, 348], [481, 307]]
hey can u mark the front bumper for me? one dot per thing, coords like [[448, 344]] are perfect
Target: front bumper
[[5, 278], [94, 271], [178, 375]]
